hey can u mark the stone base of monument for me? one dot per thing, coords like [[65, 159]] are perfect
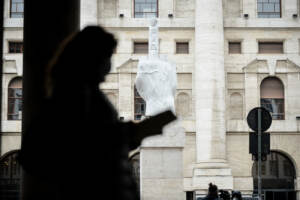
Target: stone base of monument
[[161, 165], [215, 171]]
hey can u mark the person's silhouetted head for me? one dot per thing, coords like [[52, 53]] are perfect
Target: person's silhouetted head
[[212, 191], [83, 58]]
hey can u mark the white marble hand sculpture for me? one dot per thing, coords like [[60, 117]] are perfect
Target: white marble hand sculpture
[[156, 78]]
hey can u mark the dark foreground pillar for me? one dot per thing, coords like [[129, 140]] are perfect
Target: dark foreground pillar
[[46, 24]]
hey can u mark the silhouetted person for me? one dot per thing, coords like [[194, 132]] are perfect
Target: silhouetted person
[[212, 192], [236, 195], [77, 142], [224, 195]]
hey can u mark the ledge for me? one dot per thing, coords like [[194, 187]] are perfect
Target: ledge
[[13, 22], [262, 23], [144, 23]]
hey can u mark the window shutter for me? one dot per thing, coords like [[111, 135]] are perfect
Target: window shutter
[[140, 47], [270, 47], [235, 48], [182, 47]]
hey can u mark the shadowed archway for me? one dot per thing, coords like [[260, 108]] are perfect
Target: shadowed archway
[[278, 177], [10, 176]]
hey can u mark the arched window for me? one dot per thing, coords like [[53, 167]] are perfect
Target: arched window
[[15, 99], [10, 177], [139, 106], [236, 106], [278, 177], [272, 97], [182, 104]]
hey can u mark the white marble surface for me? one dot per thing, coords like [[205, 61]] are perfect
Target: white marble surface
[[156, 79], [209, 80]]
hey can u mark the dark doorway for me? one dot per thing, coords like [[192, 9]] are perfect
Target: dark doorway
[[278, 175], [10, 177]]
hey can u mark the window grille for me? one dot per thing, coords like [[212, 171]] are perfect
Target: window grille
[[15, 47], [10, 177], [145, 8], [269, 8], [16, 8], [15, 99], [272, 97]]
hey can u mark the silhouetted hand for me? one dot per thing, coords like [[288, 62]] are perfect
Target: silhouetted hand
[[153, 125]]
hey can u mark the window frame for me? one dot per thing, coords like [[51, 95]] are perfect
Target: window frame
[[157, 10], [280, 12], [270, 41], [10, 174], [136, 95], [15, 42], [280, 116], [231, 42], [283, 114], [10, 9], [182, 42], [13, 99], [140, 42]]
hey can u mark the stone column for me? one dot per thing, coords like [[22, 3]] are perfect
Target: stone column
[[210, 96]]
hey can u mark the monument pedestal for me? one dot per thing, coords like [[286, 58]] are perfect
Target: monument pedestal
[[214, 171], [161, 164]]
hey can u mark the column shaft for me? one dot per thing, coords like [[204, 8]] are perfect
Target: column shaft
[[209, 80]]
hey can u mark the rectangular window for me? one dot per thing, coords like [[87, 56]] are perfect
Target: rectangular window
[[234, 48], [140, 47], [269, 8], [182, 47], [270, 47], [16, 8], [145, 8], [15, 47]]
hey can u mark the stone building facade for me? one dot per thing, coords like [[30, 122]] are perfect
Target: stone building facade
[[230, 56]]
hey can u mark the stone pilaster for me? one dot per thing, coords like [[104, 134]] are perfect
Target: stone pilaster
[[210, 97]]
